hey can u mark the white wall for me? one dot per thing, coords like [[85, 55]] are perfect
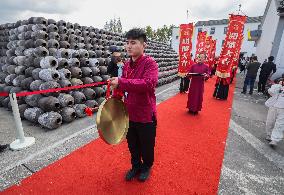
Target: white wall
[[279, 61], [265, 43], [218, 35], [248, 46], [175, 39]]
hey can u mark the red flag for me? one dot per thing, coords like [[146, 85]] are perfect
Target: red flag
[[236, 57], [207, 48], [201, 43], [212, 53], [210, 49], [185, 47], [232, 45]]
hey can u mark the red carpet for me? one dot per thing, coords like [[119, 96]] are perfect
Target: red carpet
[[188, 159]]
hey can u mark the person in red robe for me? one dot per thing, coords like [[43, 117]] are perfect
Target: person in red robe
[[196, 89]]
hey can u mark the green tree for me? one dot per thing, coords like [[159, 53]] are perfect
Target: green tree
[[114, 25], [106, 26], [162, 34], [119, 26], [149, 32]]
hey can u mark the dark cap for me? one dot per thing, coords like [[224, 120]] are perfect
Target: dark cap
[[113, 49]]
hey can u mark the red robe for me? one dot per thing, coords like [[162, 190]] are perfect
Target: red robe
[[196, 89]]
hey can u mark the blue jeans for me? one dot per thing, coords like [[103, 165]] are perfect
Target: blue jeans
[[249, 81]]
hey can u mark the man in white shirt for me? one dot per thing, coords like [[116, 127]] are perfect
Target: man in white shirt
[[275, 116]]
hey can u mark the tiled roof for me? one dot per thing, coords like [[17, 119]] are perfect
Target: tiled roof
[[226, 21]]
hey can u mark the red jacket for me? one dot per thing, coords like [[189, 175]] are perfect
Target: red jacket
[[139, 80]]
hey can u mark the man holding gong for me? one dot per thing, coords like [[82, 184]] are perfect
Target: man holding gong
[[138, 81]]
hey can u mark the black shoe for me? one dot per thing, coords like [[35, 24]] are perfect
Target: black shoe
[[131, 174], [243, 92], [250, 93], [144, 175], [190, 112], [3, 147]]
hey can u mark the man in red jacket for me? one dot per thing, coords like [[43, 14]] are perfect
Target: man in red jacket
[[139, 79]]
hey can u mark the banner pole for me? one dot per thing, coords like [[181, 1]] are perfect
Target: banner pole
[[21, 141]]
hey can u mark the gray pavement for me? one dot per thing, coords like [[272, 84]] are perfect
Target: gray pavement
[[250, 166]]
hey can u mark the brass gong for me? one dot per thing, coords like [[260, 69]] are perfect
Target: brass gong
[[112, 121]]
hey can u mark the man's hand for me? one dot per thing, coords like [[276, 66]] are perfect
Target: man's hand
[[114, 82]]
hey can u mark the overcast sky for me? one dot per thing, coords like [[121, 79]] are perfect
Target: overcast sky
[[133, 13]]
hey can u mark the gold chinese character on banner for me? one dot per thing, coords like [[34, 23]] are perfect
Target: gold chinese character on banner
[[233, 36], [231, 45], [201, 44], [184, 63], [186, 41], [229, 53], [184, 56], [185, 48]]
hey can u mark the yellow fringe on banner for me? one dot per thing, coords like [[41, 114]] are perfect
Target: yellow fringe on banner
[[182, 74], [222, 75]]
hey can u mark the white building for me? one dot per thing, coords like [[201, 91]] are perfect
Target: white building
[[270, 37], [217, 29]]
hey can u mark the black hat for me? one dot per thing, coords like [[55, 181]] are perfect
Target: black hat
[[113, 49]]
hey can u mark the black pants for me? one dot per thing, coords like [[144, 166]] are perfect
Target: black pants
[[221, 91], [141, 143], [262, 83], [184, 84]]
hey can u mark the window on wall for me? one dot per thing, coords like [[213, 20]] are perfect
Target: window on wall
[[199, 29], [212, 31], [225, 30], [223, 42], [177, 37]]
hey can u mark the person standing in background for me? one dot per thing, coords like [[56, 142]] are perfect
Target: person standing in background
[[115, 66], [252, 69], [267, 69]]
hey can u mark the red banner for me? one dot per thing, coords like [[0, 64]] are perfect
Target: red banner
[[207, 49], [185, 47], [236, 57], [212, 53], [232, 45], [210, 49], [201, 43]]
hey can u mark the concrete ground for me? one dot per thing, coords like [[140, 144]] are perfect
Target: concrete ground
[[250, 166]]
